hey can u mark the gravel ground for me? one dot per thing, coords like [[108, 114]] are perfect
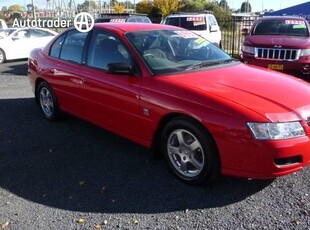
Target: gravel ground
[[72, 175]]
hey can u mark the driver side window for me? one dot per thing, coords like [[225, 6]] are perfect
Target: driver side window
[[105, 48]]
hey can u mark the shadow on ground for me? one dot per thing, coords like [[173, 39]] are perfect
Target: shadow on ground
[[73, 165], [18, 67]]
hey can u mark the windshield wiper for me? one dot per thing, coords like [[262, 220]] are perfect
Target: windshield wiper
[[208, 63]]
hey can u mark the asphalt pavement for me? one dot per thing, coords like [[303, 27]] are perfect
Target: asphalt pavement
[[73, 175]]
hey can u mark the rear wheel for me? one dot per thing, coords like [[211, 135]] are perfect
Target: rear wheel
[[2, 56], [47, 101], [190, 151]]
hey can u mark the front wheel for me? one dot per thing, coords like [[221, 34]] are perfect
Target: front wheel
[[47, 102], [190, 151]]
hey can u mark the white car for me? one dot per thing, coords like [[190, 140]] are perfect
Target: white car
[[201, 23], [16, 43], [3, 24]]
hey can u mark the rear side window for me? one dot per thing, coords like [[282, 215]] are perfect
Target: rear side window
[[72, 48], [188, 22], [69, 46], [55, 49]]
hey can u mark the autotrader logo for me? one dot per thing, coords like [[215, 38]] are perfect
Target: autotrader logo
[[84, 22]]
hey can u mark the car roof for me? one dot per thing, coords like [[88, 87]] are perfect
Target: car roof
[[27, 28], [189, 14], [281, 18], [125, 15], [129, 27]]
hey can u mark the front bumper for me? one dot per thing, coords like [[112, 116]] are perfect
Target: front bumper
[[243, 156], [300, 67], [276, 158]]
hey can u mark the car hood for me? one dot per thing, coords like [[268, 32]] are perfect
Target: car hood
[[278, 40], [275, 96]]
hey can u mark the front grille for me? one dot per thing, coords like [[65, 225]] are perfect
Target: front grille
[[277, 54]]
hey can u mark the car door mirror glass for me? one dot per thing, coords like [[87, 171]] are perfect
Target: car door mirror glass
[[120, 68], [213, 28]]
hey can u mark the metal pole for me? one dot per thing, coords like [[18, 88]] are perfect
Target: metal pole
[[33, 10]]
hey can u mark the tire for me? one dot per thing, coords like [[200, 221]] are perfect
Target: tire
[[190, 151], [2, 56], [47, 102]]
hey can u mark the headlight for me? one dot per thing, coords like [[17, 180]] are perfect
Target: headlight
[[305, 52], [248, 49], [276, 131]]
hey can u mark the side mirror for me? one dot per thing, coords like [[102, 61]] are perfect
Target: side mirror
[[214, 28], [245, 31], [120, 68]]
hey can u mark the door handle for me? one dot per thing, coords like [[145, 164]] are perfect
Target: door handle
[[79, 81], [84, 81], [52, 71]]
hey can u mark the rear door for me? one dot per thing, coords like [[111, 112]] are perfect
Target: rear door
[[63, 70]]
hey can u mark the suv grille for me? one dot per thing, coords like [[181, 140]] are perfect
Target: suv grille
[[277, 54]]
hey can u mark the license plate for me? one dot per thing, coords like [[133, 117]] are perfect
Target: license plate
[[275, 67]]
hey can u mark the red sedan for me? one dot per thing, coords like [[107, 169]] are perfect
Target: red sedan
[[169, 89]]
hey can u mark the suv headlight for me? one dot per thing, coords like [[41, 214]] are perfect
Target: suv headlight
[[276, 131], [305, 52], [248, 49]]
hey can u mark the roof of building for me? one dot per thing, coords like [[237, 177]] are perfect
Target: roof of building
[[297, 10]]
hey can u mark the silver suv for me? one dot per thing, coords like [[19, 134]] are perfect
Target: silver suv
[[123, 17]]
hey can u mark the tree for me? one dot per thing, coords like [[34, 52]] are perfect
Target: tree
[[30, 8], [155, 15], [129, 5], [15, 8], [88, 5], [246, 7], [144, 7], [118, 8], [167, 6], [221, 15], [4, 9], [224, 5], [192, 5], [112, 2]]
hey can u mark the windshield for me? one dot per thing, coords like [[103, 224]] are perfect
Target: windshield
[[188, 22], [287, 27], [168, 51]]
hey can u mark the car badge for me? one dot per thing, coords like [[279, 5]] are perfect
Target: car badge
[[277, 46]]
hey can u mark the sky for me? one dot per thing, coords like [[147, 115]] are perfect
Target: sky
[[257, 5]]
